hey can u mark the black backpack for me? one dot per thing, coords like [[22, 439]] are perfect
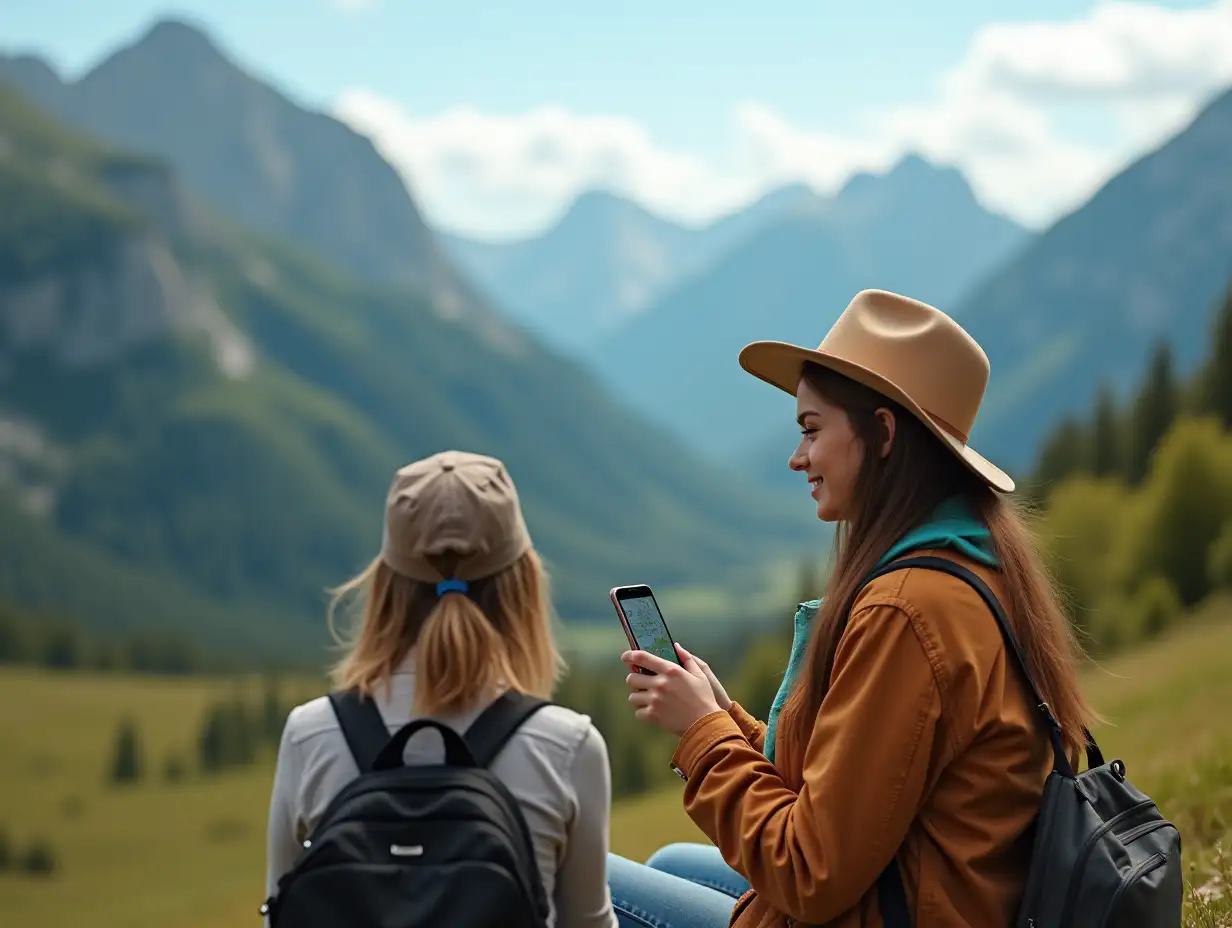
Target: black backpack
[[1103, 855], [418, 846]]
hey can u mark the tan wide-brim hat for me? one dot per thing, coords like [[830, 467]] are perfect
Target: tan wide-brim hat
[[909, 351]]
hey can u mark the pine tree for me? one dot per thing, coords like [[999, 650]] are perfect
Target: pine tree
[[1217, 374], [211, 747], [1153, 413], [39, 859], [1065, 453], [273, 715], [1105, 438], [809, 581], [63, 646], [599, 708], [630, 767], [126, 763], [16, 639], [173, 769], [242, 733]]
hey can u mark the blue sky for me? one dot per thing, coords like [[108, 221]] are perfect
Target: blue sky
[[498, 114]]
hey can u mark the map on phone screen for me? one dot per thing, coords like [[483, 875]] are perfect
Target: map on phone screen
[[649, 630]]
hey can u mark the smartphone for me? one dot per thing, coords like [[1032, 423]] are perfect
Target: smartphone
[[643, 623]]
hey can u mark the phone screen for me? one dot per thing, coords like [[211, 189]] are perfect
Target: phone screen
[[649, 629]]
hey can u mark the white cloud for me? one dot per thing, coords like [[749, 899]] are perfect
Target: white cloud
[[1142, 68], [496, 173], [1119, 52]]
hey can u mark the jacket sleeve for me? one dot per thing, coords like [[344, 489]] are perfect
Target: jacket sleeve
[[813, 855], [753, 729]]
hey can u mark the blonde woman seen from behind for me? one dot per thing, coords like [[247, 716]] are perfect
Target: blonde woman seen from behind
[[454, 612]]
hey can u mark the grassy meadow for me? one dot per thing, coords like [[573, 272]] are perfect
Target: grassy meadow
[[191, 853]]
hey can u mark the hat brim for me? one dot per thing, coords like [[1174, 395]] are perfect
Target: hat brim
[[780, 364]]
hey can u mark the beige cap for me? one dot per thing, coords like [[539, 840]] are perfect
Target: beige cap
[[453, 502], [906, 350]]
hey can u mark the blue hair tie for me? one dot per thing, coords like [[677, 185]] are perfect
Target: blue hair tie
[[451, 586]]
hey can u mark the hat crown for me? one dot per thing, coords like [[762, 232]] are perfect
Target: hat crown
[[919, 349], [454, 502]]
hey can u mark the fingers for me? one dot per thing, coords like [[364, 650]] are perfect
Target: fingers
[[641, 699], [639, 681], [648, 661]]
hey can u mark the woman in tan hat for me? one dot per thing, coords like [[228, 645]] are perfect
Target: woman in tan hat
[[904, 761], [455, 612]]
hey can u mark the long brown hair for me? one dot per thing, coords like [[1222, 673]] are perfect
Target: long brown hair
[[894, 494], [499, 632]]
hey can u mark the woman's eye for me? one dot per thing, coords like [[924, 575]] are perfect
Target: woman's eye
[[807, 433]]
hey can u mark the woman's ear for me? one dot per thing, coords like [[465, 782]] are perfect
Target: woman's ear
[[888, 422]]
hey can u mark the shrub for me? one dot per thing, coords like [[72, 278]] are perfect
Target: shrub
[[1208, 902], [1154, 606], [1084, 519], [174, 770], [126, 763], [760, 676], [39, 859], [1182, 509], [1219, 559], [1120, 621]]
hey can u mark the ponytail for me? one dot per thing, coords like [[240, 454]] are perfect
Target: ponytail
[[469, 639], [461, 657]]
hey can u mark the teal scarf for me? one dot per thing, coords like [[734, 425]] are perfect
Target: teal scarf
[[952, 525]]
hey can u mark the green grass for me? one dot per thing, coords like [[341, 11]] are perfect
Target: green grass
[[192, 855]]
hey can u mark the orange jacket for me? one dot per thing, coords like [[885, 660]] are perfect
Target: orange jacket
[[927, 746]]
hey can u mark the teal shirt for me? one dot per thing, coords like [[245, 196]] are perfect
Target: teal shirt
[[952, 525]]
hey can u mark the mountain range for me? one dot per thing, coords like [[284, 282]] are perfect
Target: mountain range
[[250, 151], [224, 322], [202, 413], [916, 229], [1145, 259], [605, 261], [1059, 312]]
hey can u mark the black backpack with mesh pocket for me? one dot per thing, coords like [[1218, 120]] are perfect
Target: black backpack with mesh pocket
[[1103, 855], [413, 846]]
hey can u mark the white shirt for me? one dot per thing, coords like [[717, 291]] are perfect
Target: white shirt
[[556, 766]]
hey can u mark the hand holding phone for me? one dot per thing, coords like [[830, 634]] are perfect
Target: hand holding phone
[[643, 622]]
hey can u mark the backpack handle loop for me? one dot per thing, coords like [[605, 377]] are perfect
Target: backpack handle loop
[[457, 754]]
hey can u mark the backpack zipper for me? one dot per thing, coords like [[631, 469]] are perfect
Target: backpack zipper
[[1134, 875], [1135, 833], [1080, 861]]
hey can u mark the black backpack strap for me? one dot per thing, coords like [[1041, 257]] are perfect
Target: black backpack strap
[[362, 726], [891, 897], [930, 562], [497, 723]]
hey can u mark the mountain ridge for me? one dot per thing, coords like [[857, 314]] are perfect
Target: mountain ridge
[[1145, 257], [276, 166], [257, 485], [916, 229]]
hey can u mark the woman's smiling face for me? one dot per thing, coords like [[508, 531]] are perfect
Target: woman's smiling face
[[829, 454]]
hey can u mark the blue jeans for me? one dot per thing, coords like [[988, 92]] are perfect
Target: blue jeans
[[681, 886]]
